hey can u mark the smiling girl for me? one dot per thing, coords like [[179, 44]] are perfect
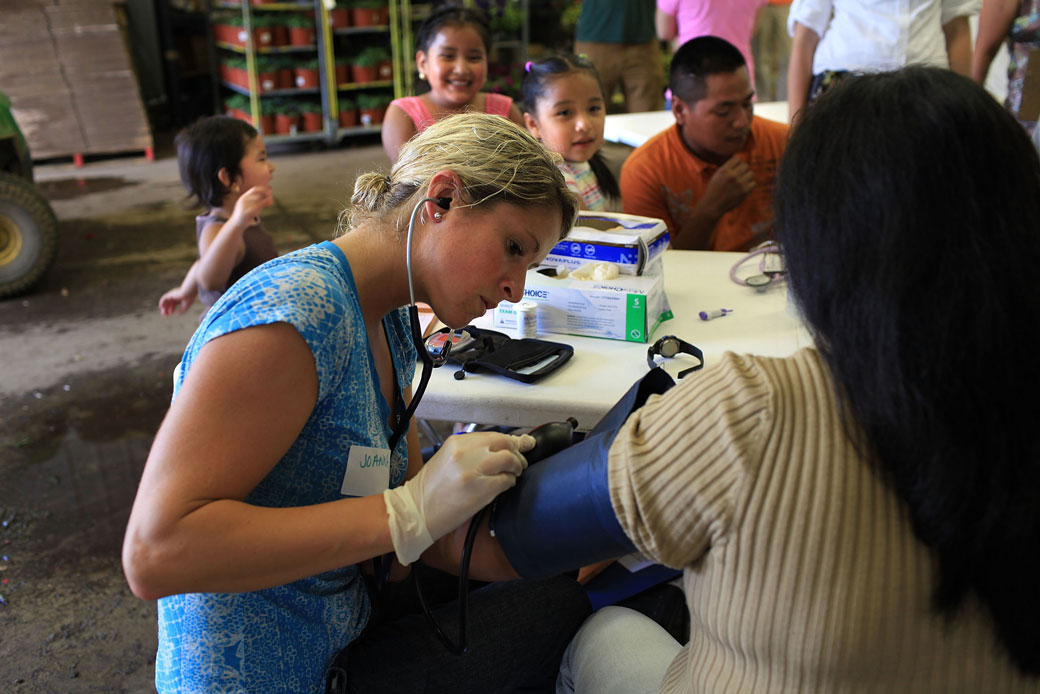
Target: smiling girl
[[452, 53]]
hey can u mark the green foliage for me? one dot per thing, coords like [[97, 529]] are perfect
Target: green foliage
[[299, 20], [367, 100], [373, 55], [237, 101]]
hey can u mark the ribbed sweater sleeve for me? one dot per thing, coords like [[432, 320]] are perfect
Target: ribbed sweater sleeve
[[677, 467]]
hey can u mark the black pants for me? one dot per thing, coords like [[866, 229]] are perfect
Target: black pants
[[516, 633]]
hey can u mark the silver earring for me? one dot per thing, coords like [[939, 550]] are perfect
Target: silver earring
[[438, 215]]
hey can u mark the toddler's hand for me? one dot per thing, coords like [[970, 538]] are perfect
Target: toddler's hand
[[251, 203], [175, 301]]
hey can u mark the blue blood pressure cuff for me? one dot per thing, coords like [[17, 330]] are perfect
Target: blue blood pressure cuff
[[559, 517]]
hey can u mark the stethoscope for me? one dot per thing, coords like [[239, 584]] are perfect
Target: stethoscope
[[429, 360], [770, 267]]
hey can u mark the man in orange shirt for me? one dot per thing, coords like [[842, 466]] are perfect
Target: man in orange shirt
[[711, 177]]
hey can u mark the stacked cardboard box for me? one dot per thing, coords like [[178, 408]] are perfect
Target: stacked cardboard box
[[66, 68]]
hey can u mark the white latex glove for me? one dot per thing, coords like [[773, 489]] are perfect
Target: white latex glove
[[464, 476]]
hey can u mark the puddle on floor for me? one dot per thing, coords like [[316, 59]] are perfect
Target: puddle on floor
[[66, 188], [72, 458]]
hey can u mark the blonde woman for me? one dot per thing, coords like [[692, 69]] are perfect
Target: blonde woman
[[273, 476]]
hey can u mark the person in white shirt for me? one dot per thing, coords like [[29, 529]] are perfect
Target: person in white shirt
[[836, 37]]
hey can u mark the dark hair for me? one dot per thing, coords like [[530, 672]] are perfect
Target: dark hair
[[203, 149], [537, 78], [908, 210], [451, 15], [698, 58]]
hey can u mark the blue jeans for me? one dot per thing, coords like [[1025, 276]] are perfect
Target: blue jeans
[[516, 632], [617, 651]]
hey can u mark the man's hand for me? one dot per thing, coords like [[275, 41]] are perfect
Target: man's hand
[[729, 186]]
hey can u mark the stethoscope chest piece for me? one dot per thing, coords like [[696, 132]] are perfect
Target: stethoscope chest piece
[[758, 282]]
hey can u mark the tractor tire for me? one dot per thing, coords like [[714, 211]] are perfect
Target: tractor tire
[[28, 235]]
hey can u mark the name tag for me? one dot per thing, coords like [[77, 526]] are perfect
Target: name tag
[[367, 473]]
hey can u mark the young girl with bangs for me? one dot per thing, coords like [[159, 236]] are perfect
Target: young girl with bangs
[[565, 109], [452, 47]]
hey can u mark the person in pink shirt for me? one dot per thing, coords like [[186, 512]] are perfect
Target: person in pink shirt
[[733, 20]]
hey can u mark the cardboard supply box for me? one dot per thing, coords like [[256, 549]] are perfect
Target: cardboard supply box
[[626, 308], [629, 241]]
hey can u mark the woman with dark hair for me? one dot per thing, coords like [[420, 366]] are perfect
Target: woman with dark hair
[[861, 516]]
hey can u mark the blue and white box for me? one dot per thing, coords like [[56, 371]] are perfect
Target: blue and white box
[[629, 241]]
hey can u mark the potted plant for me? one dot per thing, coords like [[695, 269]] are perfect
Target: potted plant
[[237, 106], [348, 112], [286, 117], [342, 70], [372, 107], [279, 30], [224, 27], [307, 74], [339, 16], [233, 70], [365, 65], [262, 37], [286, 74], [234, 30], [366, 13], [267, 73], [301, 30], [267, 113], [311, 114]]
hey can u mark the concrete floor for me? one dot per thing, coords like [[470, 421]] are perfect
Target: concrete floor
[[85, 383]]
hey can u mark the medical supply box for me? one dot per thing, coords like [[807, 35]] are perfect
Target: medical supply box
[[629, 241], [628, 307]]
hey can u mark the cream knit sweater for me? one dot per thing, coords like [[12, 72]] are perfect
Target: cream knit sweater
[[801, 571]]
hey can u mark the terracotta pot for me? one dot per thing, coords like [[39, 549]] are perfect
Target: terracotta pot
[[342, 73], [267, 124], [364, 73], [239, 76], [286, 78], [312, 122], [262, 37], [348, 119], [372, 116], [369, 16], [268, 81], [285, 125], [301, 36], [223, 32], [339, 17], [306, 78], [279, 35], [262, 2], [385, 70]]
